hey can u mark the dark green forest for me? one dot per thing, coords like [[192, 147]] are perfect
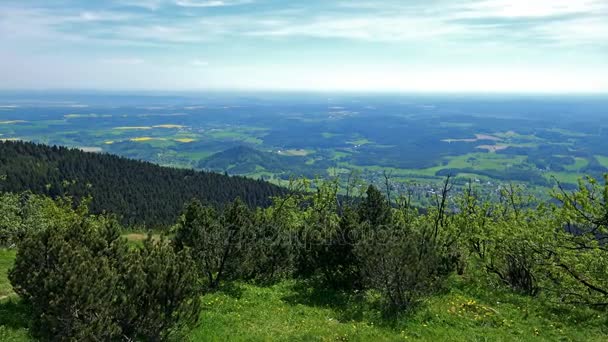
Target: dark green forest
[[140, 193]]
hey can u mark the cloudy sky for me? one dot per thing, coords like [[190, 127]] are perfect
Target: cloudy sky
[[356, 45]]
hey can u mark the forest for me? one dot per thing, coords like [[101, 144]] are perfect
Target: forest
[[139, 193], [75, 276]]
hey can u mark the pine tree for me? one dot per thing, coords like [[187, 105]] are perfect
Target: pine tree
[[374, 209]]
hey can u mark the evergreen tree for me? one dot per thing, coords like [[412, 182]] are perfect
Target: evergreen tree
[[374, 209]]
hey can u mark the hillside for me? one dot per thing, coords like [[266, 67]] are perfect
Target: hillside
[[243, 160], [138, 192]]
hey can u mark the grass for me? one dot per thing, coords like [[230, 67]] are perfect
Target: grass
[[579, 164], [297, 310], [328, 135], [602, 160], [302, 311], [563, 177], [7, 256], [13, 314], [243, 136]]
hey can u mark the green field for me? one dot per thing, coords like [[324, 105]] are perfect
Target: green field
[[603, 160]]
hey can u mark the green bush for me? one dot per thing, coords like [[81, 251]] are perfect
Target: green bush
[[403, 264], [83, 282]]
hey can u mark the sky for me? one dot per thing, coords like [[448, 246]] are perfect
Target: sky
[[521, 46]]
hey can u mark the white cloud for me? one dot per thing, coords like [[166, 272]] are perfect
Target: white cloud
[[211, 3], [151, 5], [505, 33], [533, 8], [388, 21], [199, 63], [123, 61], [371, 28]]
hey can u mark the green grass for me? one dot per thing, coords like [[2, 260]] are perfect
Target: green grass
[[568, 132], [7, 256], [579, 164], [328, 135], [301, 311], [244, 135], [297, 311], [602, 160], [563, 177], [478, 161], [13, 314]]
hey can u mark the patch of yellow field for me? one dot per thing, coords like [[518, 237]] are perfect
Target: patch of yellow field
[[12, 122], [133, 128], [169, 126], [185, 140], [109, 142], [141, 139]]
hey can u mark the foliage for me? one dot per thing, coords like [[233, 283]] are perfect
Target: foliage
[[83, 282], [217, 241], [579, 255], [26, 212], [406, 259], [162, 292]]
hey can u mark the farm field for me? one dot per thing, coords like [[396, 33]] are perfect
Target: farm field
[[418, 140]]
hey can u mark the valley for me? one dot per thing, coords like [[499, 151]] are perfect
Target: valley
[[417, 140]]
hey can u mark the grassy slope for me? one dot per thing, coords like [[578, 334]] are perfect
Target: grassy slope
[[296, 310]]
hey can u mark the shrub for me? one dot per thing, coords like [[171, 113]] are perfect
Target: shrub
[[402, 264], [67, 276], [216, 241], [83, 282], [162, 292]]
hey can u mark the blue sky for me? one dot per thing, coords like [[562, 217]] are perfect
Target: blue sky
[[357, 45]]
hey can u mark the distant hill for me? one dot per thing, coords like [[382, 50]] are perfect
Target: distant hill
[[139, 192], [246, 160], [241, 159]]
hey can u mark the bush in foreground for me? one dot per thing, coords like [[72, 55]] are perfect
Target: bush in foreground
[[83, 282]]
